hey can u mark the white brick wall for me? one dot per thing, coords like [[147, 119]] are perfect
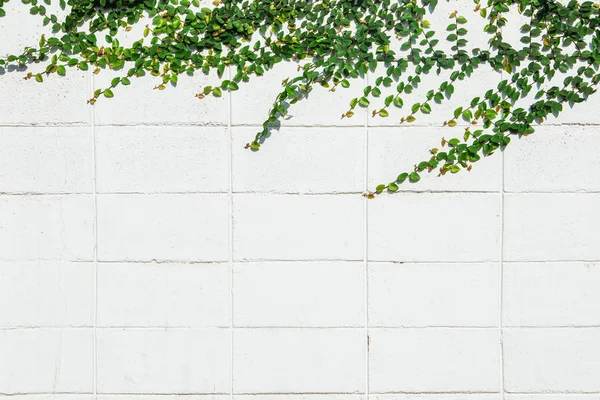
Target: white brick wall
[[146, 255]]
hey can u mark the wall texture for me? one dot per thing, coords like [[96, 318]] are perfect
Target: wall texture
[[145, 254]]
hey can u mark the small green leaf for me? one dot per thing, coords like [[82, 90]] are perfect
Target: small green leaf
[[415, 177]]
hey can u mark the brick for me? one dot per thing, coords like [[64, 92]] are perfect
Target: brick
[[163, 227], [275, 294], [394, 151], [419, 227], [293, 161], [46, 160], [136, 360], [46, 360], [434, 360], [482, 79], [140, 104], [527, 169], [551, 227], [289, 227], [551, 294], [585, 113], [551, 360], [163, 295], [47, 227], [17, 17], [162, 159], [433, 295], [46, 293], [299, 361], [59, 100], [251, 104]]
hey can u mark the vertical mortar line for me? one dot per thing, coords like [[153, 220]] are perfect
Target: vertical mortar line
[[501, 278], [366, 243], [95, 259], [230, 160], [501, 313]]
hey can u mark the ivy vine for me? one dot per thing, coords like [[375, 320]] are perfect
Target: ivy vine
[[338, 41]]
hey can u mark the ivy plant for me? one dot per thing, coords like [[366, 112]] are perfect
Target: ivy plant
[[337, 41]]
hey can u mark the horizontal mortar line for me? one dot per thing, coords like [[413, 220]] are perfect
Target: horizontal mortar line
[[285, 125], [175, 124], [416, 191], [183, 193], [541, 393], [436, 124], [547, 392], [362, 327], [166, 394], [62, 260], [578, 191], [432, 262], [116, 394], [485, 261], [43, 327], [296, 260], [47, 194], [291, 193], [183, 263], [291, 327], [47, 125], [234, 193], [362, 261], [439, 124], [108, 193], [434, 393], [488, 261], [551, 261], [45, 393], [258, 126], [296, 393], [284, 327], [517, 327], [106, 328]]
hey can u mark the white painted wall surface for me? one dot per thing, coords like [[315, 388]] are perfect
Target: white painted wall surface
[[145, 254]]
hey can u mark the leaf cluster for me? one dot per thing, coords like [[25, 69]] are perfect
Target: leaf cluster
[[334, 42]]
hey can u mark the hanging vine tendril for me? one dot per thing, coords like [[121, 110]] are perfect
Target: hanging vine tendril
[[340, 40]]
